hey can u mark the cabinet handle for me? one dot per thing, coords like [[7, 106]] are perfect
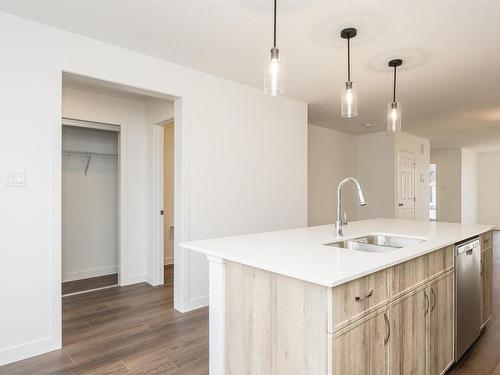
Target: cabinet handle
[[482, 267], [426, 303], [358, 298], [388, 329], [433, 299], [486, 240]]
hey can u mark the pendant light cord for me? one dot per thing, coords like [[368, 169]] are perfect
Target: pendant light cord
[[394, 90], [348, 59], [274, 23]]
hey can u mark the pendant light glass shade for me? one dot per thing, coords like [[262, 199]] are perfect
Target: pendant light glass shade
[[349, 95], [394, 117], [274, 70], [394, 107], [349, 100], [274, 74]]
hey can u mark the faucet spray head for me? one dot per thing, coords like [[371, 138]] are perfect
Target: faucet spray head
[[361, 197]]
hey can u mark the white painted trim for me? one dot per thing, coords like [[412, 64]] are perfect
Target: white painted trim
[[168, 261], [166, 122], [27, 350], [217, 340], [122, 208], [85, 274], [157, 195], [90, 124], [181, 204], [135, 279]]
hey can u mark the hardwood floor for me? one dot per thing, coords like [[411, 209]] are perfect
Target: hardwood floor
[[129, 330], [88, 284]]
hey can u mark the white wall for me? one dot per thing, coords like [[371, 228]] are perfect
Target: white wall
[[244, 166], [89, 205], [332, 157], [449, 183], [488, 188], [375, 165], [469, 193]]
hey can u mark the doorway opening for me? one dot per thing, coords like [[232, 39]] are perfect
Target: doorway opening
[[90, 192], [168, 199], [133, 116]]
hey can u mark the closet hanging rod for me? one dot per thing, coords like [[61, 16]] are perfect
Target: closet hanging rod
[[87, 154]]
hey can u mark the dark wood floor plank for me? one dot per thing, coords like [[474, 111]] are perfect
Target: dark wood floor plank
[[129, 330], [87, 284]]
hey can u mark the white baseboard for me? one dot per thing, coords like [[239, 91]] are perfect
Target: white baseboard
[[85, 274], [169, 260], [133, 279], [31, 349], [196, 303]]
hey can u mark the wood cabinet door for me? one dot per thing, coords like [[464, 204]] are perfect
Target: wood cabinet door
[[486, 285], [361, 349], [440, 349], [407, 344]]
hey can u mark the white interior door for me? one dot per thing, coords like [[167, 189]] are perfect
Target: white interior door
[[405, 185]]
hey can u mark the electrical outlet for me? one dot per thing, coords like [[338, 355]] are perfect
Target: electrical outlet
[[16, 178]]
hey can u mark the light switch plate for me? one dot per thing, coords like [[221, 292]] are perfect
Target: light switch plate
[[16, 178]]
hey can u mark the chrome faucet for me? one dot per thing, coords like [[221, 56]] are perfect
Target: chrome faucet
[[361, 197]]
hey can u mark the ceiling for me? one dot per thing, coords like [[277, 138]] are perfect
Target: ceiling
[[448, 84]]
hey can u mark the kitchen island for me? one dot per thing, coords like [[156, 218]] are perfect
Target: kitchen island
[[288, 302]]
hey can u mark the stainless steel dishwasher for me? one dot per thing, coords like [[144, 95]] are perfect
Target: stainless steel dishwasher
[[467, 294]]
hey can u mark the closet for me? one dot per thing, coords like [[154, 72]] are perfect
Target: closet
[[89, 206]]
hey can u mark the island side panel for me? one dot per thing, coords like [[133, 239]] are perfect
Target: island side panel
[[216, 351], [274, 324]]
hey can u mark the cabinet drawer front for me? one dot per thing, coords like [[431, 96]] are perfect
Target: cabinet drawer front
[[409, 274], [355, 299], [415, 272], [487, 240], [440, 261]]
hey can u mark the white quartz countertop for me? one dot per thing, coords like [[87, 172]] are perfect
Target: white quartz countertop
[[301, 253]]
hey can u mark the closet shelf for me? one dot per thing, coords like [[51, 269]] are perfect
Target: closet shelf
[[88, 155]]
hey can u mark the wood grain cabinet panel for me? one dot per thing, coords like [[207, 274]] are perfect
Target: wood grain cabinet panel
[[487, 240], [440, 325], [274, 325], [416, 272], [363, 347], [440, 261], [408, 275], [357, 298], [407, 343], [486, 286]]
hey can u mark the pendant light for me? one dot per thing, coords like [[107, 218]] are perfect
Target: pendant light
[[349, 96], [273, 81], [394, 108]]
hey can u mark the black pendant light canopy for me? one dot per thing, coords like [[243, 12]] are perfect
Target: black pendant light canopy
[[349, 96], [394, 107], [273, 81]]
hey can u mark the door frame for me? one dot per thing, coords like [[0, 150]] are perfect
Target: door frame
[[158, 258], [121, 131], [182, 301]]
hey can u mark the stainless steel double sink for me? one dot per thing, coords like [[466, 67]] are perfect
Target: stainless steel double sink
[[376, 243]]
